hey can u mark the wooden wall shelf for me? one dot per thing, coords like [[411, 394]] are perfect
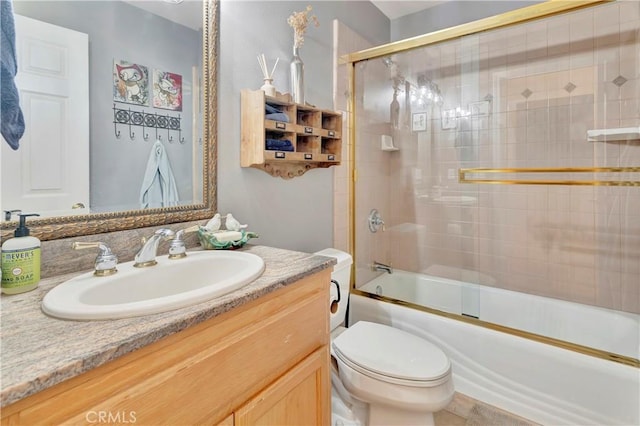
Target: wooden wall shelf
[[314, 135]]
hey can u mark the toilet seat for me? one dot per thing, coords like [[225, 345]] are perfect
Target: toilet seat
[[392, 355]]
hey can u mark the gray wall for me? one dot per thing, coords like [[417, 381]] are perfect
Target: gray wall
[[119, 31], [450, 14], [296, 213]]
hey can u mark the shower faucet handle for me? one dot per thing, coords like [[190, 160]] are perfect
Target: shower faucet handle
[[375, 221]]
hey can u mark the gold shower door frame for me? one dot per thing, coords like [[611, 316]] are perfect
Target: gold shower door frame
[[538, 11]]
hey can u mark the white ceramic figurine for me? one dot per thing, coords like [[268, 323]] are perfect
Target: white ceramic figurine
[[232, 224], [214, 223]]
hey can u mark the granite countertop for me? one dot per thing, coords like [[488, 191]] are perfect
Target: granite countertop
[[39, 351]]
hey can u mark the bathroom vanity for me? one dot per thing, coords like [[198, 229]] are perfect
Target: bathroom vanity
[[257, 355]]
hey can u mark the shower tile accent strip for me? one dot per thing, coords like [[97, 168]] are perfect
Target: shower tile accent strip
[[619, 81]]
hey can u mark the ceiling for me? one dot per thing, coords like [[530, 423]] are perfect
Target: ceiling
[[189, 12], [396, 8]]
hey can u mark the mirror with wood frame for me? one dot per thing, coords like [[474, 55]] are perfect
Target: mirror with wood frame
[[199, 95]]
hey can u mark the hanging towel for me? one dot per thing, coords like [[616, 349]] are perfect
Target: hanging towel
[[158, 186], [11, 118]]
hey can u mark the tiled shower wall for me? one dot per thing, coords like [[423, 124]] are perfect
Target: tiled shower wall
[[525, 97]]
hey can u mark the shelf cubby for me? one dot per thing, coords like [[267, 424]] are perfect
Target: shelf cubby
[[315, 134]]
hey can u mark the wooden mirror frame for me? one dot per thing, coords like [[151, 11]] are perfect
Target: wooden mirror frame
[[71, 226]]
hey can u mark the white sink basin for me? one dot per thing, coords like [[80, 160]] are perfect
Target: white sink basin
[[171, 284]]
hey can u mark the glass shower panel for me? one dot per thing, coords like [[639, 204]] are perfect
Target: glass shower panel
[[525, 96]]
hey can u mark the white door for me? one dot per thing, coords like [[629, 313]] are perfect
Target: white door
[[49, 173]]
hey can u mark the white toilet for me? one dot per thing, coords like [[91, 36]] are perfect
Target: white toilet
[[385, 376]]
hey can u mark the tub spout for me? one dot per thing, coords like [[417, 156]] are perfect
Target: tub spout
[[377, 266]]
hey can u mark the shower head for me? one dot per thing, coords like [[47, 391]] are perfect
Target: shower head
[[429, 89], [394, 73]]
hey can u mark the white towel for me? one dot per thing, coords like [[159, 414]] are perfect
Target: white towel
[[158, 186]]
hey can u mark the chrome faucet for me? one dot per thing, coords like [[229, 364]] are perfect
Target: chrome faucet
[[147, 254], [377, 266]]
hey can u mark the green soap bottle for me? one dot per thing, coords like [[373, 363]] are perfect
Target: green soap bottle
[[20, 260]]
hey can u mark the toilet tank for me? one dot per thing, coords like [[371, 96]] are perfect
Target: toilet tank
[[342, 275]]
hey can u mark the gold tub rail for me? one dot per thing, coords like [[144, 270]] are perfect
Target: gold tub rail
[[463, 178]]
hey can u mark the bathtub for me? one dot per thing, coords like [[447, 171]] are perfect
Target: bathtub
[[538, 381]]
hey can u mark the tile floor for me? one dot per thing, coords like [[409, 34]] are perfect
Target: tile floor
[[466, 411]]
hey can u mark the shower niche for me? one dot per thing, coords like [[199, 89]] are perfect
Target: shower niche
[[286, 139]]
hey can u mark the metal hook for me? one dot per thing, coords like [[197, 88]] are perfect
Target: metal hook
[[169, 137], [115, 122], [132, 135]]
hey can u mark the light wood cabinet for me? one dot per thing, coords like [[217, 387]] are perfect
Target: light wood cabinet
[[266, 362], [294, 399], [307, 138]]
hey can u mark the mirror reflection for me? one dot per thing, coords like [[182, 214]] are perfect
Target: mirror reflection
[[110, 92]]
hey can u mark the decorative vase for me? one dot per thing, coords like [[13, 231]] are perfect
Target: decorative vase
[[394, 111], [297, 77], [268, 88]]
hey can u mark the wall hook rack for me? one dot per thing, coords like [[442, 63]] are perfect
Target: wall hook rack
[[127, 117]]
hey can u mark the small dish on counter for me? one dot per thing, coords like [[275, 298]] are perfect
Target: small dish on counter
[[224, 239]]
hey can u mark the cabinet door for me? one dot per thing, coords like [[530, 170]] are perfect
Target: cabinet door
[[299, 397], [228, 421]]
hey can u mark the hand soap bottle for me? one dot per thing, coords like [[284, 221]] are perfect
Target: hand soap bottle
[[20, 260]]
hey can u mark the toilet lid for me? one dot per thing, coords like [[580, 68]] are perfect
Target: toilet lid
[[391, 352]]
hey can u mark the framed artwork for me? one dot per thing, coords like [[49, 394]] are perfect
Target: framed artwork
[[479, 108], [167, 90], [419, 121], [130, 83], [449, 120]]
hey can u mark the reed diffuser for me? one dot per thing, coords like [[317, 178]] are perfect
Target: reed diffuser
[[268, 88]]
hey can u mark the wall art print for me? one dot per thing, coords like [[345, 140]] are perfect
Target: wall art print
[[419, 121], [130, 83], [449, 119], [167, 90]]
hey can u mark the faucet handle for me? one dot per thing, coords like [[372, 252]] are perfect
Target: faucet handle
[[375, 221], [106, 261], [177, 248]]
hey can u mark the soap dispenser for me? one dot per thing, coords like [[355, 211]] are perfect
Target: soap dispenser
[[20, 260]]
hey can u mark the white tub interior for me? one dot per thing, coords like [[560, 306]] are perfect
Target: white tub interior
[[604, 329]]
